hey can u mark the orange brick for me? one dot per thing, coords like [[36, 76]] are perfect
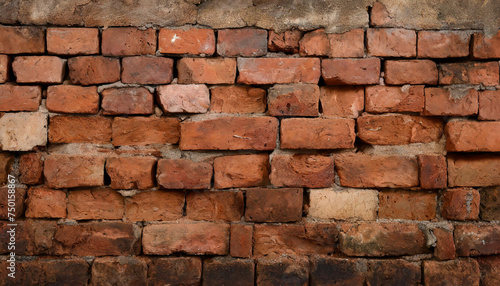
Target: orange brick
[[485, 73], [95, 204], [433, 171], [407, 205], [210, 71], [384, 98], [237, 99], [411, 72], [184, 174], [139, 131], [241, 243], [342, 101], [215, 205], [20, 98], [127, 100], [72, 99], [350, 71], [489, 105], [42, 69], [451, 101], [131, 173], [245, 42], [241, 171], [79, 129], [443, 44], [473, 170], [391, 43], [154, 206], [300, 170], [485, 47], [128, 41], [472, 136], [273, 205], [192, 41], [293, 100], [287, 41], [22, 40], [78, 171], [147, 70], [73, 41], [350, 44], [278, 70], [460, 204], [184, 98], [93, 70], [31, 168], [4, 68], [45, 203]]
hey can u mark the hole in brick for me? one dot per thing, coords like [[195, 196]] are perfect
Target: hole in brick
[[107, 178]]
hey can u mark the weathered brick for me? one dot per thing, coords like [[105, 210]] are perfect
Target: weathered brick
[[391, 43], [485, 47], [45, 203], [214, 205], [38, 69], [314, 43], [22, 40], [241, 171], [490, 270], [473, 170], [433, 171], [4, 68], [17, 202], [365, 171], [26, 131], [383, 98], [79, 129], [475, 240], [72, 99], [473, 136], [273, 205], [453, 272], [443, 44], [445, 245], [245, 42], [228, 271], [20, 98], [241, 243], [131, 173], [154, 206], [184, 98], [97, 239], [317, 133], [95, 204], [300, 170], [33, 237], [283, 270], [174, 271], [343, 204], [293, 100], [327, 270], [127, 100], [490, 203], [411, 72], [278, 70], [382, 239], [489, 105], [393, 272], [350, 71], [485, 73], [230, 133], [6, 161], [128, 41], [342, 101], [350, 44], [294, 239], [193, 238], [192, 41], [407, 205], [73, 41], [147, 70], [237, 99], [398, 129], [69, 171], [184, 174], [209, 71], [138, 131], [287, 41], [91, 70], [120, 270], [453, 101]]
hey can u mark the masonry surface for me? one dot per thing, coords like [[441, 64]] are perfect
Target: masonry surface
[[356, 149]]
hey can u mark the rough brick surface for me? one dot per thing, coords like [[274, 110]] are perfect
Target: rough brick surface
[[69, 171], [128, 100], [72, 99], [147, 70], [93, 70], [411, 72], [237, 99], [175, 271], [300, 170], [209, 71], [454, 101], [321, 133], [460, 204], [327, 270], [278, 70], [490, 270], [342, 101], [79, 129], [72, 41], [95, 204], [225, 271], [31, 168], [128, 42], [138, 131], [184, 174], [391, 43], [393, 272], [273, 205], [22, 40], [433, 171], [26, 130], [120, 270], [241, 243], [486, 73], [407, 205], [443, 44], [4, 68], [6, 160], [131, 173], [42, 69], [350, 71], [489, 105], [241, 171], [154, 206], [35, 237], [247, 42], [45, 203], [294, 270], [445, 246], [20, 98], [287, 41], [485, 46], [214, 205], [293, 100], [453, 272], [473, 170], [474, 240], [470, 136], [184, 98], [190, 41], [382, 99], [490, 207]]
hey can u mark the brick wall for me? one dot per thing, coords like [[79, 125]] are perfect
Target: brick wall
[[192, 155]]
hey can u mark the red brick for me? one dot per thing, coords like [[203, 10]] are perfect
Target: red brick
[[93, 70], [490, 270], [453, 272], [241, 171], [128, 41], [460, 204], [139, 131], [69, 171], [174, 271], [350, 44], [382, 239], [445, 246], [391, 43], [342, 101], [230, 133], [475, 240], [433, 171], [314, 43], [485, 47], [241, 243], [33, 237], [4, 68], [326, 270], [276, 271], [407, 205], [22, 40], [317, 133], [147, 70], [226, 271], [454, 101], [192, 238], [73, 41], [95, 204], [214, 205], [473, 170], [489, 105], [485, 73], [293, 100], [473, 136], [119, 271], [294, 239], [38, 69], [210, 71], [287, 41], [237, 99], [6, 161], [154, 206], [17, 202], [79, 129], [72, 99], [300, 170], [490, 206], [411, 72], [184, 174], [365, 171], [245, 42], [278, 70], [20, 98], [273, 205], [398, 129], [127, 100], [393, 272], [184, 98], [97, 239], [350, 71], [45, 203], [443, 44], [131, 173], [192, 41], [383, 98]]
